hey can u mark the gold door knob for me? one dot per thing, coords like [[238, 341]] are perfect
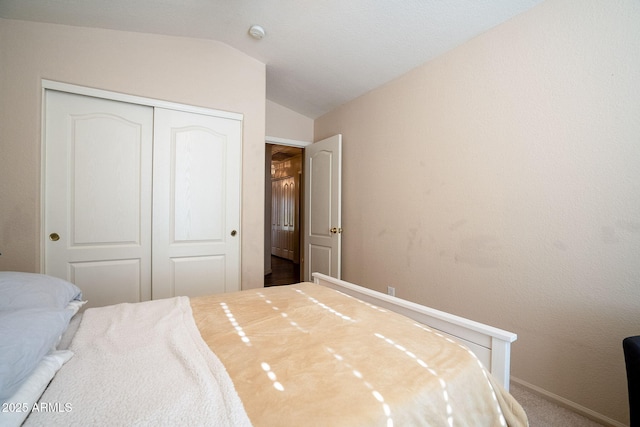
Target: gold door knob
[[54, 237], [335, 230], [233, 232]]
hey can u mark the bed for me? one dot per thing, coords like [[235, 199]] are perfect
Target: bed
[[324, 353]]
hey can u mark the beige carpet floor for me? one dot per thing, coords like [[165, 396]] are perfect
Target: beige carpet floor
[[543, 413]]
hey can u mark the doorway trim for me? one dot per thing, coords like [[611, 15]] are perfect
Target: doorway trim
[[288, 142]]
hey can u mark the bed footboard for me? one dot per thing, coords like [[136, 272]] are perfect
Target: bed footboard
[[491, 345]]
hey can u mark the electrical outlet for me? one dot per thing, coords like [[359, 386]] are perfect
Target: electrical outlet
[[391, 291]]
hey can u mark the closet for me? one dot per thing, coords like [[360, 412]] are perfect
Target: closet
[[284, 229], [141, 199]]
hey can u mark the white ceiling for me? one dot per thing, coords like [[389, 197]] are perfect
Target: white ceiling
[[319, 53]]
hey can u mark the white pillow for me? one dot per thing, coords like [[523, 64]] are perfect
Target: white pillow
[[19, 405]]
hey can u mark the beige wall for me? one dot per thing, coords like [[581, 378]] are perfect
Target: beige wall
[[285, 123], [501, 182], [190, 71]]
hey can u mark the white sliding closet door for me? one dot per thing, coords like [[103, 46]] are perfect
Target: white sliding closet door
[[196, 203], [140, 201], [97, 196]]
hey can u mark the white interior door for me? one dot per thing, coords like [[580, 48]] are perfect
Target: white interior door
[[322, 209], [196, 203], [97, 196]]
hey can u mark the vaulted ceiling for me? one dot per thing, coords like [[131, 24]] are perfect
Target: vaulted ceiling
[[318, 54]]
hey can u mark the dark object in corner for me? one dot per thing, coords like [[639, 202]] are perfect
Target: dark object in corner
[[631, 347]]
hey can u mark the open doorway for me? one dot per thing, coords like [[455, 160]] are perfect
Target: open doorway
[[283, 200]]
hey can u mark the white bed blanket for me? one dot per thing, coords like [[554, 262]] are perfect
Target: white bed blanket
[[141, 364]]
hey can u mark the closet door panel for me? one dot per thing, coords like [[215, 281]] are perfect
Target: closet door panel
[[111, 282], [106, 177], [198, 185], [196, 198], [195, 276]]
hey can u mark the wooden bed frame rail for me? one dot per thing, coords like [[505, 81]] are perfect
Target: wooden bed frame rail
[[491, 345]]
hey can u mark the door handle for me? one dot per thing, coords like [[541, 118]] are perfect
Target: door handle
[[335, 230], [54, 237]]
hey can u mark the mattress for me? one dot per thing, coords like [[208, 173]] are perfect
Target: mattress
[[291, 355], [309, 355]]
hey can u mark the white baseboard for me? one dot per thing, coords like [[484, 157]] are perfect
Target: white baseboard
[[566, 403]]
